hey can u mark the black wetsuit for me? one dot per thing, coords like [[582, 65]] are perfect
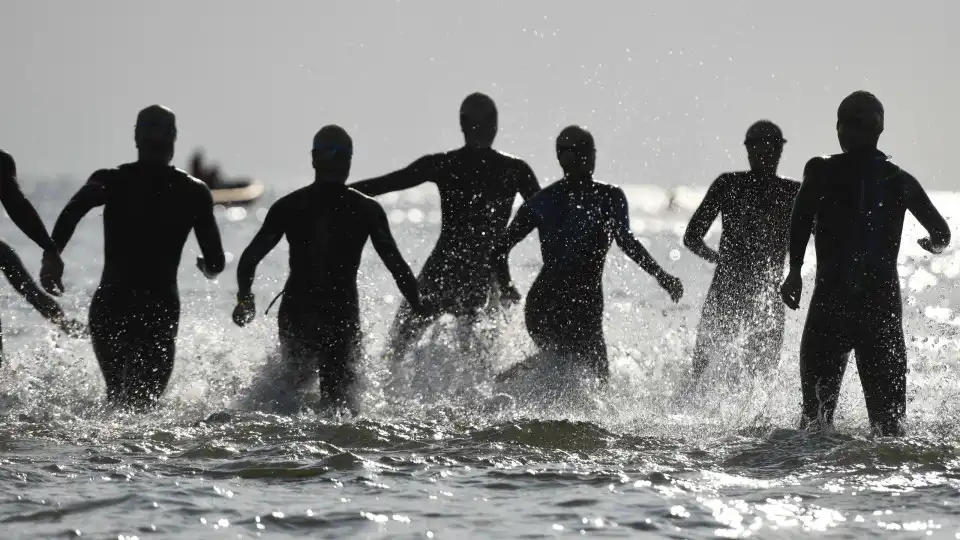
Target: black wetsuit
[[326, 226], [578, 220], [743, 296], [26, 218], [149, 211], [858, 201], [477, 187]]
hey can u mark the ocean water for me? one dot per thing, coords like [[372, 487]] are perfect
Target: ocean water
[[449, 454]]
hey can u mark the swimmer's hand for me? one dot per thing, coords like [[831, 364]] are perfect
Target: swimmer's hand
[[74, 328], [791, 289], [245, 311], [927, 244], [509, 294], [202, 266], [51, 273], [672, 285]]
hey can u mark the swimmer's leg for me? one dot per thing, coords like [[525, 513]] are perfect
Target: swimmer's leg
[[338, 370], [151, 365], [764, 344], [882, 363], [824, 352], [109, 341], [17, 275], [594, 356], [713, 331], [135, 351], [408, 327]]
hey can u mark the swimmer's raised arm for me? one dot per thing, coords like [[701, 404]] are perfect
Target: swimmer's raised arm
[[208, 235], [523, 224], [801, 226], [919, 204], [701, 221], [418, 172], [386, 247], [23, 214], [620, 223]]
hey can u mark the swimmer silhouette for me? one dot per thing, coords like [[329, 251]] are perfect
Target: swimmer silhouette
[[150, 207], [856, 201], [209, 175], [578, 218], [477, 187], [327, 225], [25, 216], [754, 207]]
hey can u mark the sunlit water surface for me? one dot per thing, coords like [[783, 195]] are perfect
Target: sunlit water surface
[[449, 454]]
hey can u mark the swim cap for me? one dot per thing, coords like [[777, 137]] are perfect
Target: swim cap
[[155, 123], [477, 105], [863, 110], [574, 138], [764, 131], [331, 140]]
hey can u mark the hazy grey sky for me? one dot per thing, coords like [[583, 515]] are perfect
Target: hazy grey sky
[[668, 87]]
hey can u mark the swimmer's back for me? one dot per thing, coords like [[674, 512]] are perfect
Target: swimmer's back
[[327, 226], [576, 221], [863, 198], [755, 216], [149, 210], [477, 189]]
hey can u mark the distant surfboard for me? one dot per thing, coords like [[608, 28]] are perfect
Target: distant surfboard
[[238, 194]]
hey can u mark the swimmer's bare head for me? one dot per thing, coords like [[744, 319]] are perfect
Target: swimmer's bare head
[[156, 133], [859, 121], [764, 142], [332, 154], [478, 120], [576, 152]]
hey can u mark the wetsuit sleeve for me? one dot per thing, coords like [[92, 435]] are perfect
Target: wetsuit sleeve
[[804, 211], [523, 224], [267, 238], [701, 221], [208, 234], [919, 204], [620, 223], [387, 249], [418, 172], [23, 214], [528, 185], [88, 197]]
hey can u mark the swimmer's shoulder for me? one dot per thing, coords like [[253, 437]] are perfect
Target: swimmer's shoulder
[[611, 193], [789, 185], [821, 163], [104, 177], [512, 161], [364, 202], [6, 161], [187, 180]]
